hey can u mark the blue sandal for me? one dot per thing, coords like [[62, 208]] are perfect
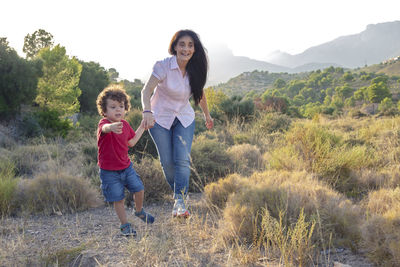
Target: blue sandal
[[144, 216], [127, 230]]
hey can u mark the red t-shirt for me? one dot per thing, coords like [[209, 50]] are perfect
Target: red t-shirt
[[113, 148]]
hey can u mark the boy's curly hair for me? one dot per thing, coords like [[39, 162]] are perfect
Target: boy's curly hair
[[115, 92]]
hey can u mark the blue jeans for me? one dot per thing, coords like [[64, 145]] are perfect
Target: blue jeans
[[173, 148]]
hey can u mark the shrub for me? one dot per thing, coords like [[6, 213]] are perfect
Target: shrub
[[156, 187], [56, 192], [246, 158], [217, 193], [241, 138], [8, 185], [270, 123], [210, 161], [290, 193], [52, 124], [381, 231], [320, 151], [29, 159]]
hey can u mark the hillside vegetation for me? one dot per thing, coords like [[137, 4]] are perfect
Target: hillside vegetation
[[296, 165]]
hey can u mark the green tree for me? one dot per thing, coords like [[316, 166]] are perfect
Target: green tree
[[58, 88], [93, 80], [378, 91], [113, 74], [279, 83], [18, 79], [36, 41], [386, 105], [134, 89], [214, 99], [344, 91]]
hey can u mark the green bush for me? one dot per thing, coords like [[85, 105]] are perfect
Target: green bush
[[210, 161], [317, 150], [51, 125], [8, 185], [271, 122]]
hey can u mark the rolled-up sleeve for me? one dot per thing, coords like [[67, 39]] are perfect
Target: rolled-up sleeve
[[159, 70]]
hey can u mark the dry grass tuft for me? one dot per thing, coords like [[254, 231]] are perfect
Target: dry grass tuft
[[53, 192], [381, 231], [156, 187], [284, 195], [246, 159]]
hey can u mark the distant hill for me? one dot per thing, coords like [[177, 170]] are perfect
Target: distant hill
[[375, 44], [257, 81], [224, 65], [390, 67]]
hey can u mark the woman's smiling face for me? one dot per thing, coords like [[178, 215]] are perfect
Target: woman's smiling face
[[184, 48]]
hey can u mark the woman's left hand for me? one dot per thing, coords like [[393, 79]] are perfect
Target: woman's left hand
[[209, 122]]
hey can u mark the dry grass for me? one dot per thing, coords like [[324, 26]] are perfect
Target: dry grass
[[283, 216], [283, 194], [53, 192], [246, 159], [381, 231]]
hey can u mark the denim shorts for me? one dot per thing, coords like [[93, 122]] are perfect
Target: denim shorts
[[113, 183]]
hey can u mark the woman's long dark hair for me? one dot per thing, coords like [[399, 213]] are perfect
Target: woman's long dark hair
[[197, 66]]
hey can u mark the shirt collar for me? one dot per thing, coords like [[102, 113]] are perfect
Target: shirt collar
[[173, 63]]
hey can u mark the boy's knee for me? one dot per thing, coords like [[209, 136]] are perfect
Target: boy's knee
[[120, 201]]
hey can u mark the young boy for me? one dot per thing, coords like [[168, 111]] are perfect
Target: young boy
[[114, 135]]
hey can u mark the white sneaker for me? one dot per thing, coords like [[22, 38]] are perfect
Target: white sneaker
[[179, 209]]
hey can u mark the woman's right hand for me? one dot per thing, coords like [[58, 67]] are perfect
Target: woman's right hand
[[149, 120]]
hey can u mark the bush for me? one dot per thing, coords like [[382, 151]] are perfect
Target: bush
[[54, 192], [51, 123], [210, 161], [156, 187], [217, 193], [381, 231], [285, 195], [246, 159], [270, 123], [320, 151], [30, 158], [8, 185]]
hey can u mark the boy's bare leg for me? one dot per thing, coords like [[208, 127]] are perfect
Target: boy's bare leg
[[138, 197], [120, 210]]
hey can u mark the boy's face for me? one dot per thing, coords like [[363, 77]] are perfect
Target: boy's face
[[115, 110]]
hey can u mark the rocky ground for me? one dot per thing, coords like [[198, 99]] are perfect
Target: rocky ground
[[92, 238]]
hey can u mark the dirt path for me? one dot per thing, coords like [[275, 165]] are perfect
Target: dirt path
[[92, 238]]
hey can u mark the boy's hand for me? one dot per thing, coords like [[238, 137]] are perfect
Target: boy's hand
[[116, 127]]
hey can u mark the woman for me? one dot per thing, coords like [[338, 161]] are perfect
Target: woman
[[169, 115]]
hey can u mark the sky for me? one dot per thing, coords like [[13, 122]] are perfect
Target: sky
[[131, 35]]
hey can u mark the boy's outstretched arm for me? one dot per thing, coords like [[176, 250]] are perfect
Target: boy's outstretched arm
[[139, 132]]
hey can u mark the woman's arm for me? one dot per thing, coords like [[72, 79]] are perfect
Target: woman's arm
[[204, 107], [146, 94]]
